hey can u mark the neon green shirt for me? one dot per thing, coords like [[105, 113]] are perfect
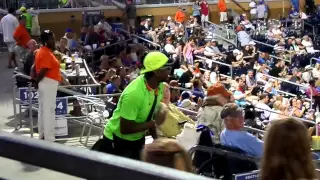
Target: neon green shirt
[[134, 105], [28, 20]]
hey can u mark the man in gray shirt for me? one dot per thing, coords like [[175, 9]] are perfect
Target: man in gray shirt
[[131, 13]]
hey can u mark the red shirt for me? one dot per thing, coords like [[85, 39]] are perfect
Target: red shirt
[[204, 8], [21, 35]]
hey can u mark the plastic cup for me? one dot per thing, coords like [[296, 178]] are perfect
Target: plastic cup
[[63, 66]]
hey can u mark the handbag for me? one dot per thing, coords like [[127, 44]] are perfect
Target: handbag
[[107, 145]]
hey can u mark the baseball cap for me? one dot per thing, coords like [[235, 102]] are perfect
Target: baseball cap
[[23, 9], [230, 109], [153, 61], [218, 88]]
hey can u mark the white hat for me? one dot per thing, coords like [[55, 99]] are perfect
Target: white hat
[[187, 104], [307, 68], [169, 18], [236, 51]]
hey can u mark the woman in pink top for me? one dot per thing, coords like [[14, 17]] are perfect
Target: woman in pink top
[[312, 92], [188, 51]]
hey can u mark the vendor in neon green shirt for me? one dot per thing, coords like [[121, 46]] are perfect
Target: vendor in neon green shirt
[[129, 123], [28, 16]]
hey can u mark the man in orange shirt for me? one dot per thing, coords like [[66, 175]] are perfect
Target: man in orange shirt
[[223, 11], [179, 18], [22, 38]]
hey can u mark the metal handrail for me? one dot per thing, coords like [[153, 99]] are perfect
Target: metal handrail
[[109, 45], [218, 62], [77, 161], [222, 152], [227, 30], [276, 57], [283, 80], [89, 73], [139, 37], [202, 69], [289, 82], [316, 59], [269, 45], [224, 39], [296, 118]]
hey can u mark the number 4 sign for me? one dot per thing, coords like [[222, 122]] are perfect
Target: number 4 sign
[[61, 106]]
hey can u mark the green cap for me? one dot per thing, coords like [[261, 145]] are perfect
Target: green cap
[[153, 61]]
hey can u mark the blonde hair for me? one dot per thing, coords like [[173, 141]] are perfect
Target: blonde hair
[[167, 152]]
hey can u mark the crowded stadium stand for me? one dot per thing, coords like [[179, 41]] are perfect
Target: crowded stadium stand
[[238, 99]]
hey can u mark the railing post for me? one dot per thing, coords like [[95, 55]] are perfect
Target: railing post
[[30, 108], [231, 72], [14, 102]]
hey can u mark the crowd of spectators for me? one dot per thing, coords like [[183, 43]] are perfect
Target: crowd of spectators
[[275, 81]]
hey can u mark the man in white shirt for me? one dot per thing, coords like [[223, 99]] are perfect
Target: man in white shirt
[[8, 24], [170, 49], [253, 9], [262, 106]]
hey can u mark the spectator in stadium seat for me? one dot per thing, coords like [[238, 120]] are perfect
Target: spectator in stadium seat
[[170, 23], [29, 59], [172, 125], [209, 113], [287, 155], [279, 70], [234, 136], [240, 94], [83, 33], [316, 71], [250, 79], [170, 49], [263, 104], [168, 153], [92, 38], [243, 37], [63, 47], [114, 85], [312, 92], [145, 30]]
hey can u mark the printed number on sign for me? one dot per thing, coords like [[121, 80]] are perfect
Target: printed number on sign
[[60, 105], [34, 95], [24, 95]]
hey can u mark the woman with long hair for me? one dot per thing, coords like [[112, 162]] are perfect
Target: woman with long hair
[[287, 152], [168, 153]]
